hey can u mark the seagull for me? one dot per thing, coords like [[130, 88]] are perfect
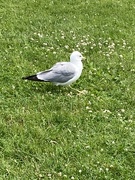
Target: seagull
[[61, 73]]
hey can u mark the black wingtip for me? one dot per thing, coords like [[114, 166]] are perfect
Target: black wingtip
[[31, 78], [24, 78]]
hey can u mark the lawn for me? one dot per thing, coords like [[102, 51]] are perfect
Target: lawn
[[49, 132]]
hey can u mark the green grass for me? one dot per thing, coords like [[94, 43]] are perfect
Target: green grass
[[47, 132]]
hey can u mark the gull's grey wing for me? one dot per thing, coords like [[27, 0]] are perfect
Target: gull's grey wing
[[60, 72]]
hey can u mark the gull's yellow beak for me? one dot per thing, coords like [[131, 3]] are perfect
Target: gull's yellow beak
[[83, 58]]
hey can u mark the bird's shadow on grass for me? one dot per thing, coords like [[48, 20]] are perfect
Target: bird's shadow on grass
[[50, 89]]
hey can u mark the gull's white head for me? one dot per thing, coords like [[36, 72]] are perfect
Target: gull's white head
[[76, 56]]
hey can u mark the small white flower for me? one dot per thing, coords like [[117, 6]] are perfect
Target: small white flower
[[108, 55], [90, 111], [123, 110], [107, 169], [45, 44], [99, 44], [100, 169], [62, 37], [40, 35], [65, 175], [32, 39], [13, 87], [49, 175], [66, 46], [87, 107], [80, 171], [60, 174], [119, 114], [120, 56], [106, 111], [72, 177]]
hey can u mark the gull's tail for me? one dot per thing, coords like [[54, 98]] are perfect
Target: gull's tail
[[32, 78]]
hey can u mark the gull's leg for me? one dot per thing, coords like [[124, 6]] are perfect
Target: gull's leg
[[80, 92]]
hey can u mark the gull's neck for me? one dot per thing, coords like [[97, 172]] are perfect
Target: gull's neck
[[78, 64]]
